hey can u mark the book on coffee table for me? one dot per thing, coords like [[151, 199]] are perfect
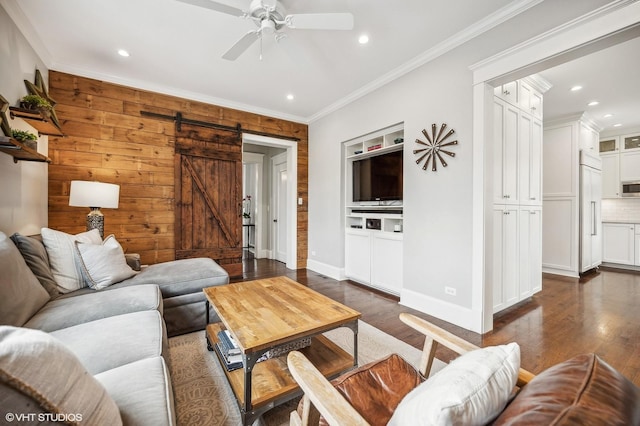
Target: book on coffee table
[[230, 362]]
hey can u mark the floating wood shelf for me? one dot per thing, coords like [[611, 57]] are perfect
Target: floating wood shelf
[[20, 152], [38, 120]]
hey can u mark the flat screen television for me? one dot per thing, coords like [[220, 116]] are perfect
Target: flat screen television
[[378, 178]]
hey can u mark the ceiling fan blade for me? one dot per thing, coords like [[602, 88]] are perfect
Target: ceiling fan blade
[[214, 5], [320, 21], [241, 45]]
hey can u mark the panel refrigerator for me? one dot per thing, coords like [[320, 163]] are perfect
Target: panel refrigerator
[[590, 206]]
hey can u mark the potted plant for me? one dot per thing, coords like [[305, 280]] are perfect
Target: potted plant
[[35, 102], [27, 138]]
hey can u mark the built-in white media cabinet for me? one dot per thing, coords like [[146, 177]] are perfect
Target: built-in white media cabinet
[[373, 183]]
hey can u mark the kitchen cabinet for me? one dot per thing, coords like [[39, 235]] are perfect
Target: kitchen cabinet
[[530, 251], [590, 206], [505, 257], [618, 243], [505, 153], [637, 245], [529, 99], [610, 175], [563, 141], [629, 166], [508, 92]]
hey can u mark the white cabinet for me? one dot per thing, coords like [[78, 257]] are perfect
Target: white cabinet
[[590, 219], [517, 156], [637, 245], [358, 255], [530, 160], [629, 166], [507, 92], [530, 250], [505, 153], [374, 258], [373, 229], [530, 100], [505, 257], [618, 243], [610, 175], [386, 261], [589, 139]]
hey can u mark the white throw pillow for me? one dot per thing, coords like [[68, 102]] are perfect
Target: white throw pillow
[[62, 256], [39, 375], [472, 390], [103, 264]]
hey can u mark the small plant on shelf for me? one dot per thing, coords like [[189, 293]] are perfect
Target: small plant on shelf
[[21, 135], [27, 138], [35, 102], [246, 208]]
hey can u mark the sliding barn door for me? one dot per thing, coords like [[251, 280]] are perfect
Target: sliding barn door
[[208, 196]]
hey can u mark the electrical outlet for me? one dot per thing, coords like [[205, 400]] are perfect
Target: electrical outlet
[[450, 291], [313, 252]]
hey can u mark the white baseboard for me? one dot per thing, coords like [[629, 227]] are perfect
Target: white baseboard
[[455, 314], [556, 271], [326, 270]]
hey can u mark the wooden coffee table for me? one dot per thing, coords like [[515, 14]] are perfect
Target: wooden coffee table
[[270, 313]]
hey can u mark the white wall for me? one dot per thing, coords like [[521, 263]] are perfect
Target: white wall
[[23, 186], [437, 206]]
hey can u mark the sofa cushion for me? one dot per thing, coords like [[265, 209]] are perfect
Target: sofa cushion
[[142, 391], [62, 256], [473, 389], [21, 295], [69, 310], [583, 390], [115, 341], [182, 276], [103, 264], [33, 251], [36, 365]]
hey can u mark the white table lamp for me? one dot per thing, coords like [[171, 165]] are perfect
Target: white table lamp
[[95, 195]]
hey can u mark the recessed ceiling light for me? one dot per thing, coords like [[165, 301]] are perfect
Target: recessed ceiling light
[[617, 125], [576, 88], [593, 103], [363, 39], [123, 53], [607, 115], [290, 96]]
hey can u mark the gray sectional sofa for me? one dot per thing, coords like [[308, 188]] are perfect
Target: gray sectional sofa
[[99, 354]]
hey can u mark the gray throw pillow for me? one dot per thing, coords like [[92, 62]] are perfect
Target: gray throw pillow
[[21, 295], [34, 253], [37, 367]]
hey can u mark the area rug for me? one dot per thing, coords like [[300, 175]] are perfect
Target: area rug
[[203, 396]]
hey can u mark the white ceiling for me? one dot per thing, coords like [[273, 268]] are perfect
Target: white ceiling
[[176, 48], [610, 76]]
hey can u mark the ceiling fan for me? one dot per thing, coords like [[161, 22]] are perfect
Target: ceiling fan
[[270, 18]]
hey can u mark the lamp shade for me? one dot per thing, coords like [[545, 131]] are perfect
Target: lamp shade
[[94, 194]]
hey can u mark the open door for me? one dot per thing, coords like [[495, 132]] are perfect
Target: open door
[[208, 222]]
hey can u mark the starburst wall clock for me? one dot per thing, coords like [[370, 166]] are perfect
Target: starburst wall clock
[[432, 150]]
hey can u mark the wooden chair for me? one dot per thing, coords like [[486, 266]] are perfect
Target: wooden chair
[[320, 395]]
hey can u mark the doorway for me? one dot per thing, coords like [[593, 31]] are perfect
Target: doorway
[[265, 238], [572, 41], [279, 206]]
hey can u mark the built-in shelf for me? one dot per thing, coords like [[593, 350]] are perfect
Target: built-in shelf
[[20, 152], [37, 119]]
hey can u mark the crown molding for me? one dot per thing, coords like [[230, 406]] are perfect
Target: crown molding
[[480, 27], [28, 31], [172, 91]]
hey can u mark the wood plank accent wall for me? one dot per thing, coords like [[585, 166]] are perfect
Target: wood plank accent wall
[[107, 139]]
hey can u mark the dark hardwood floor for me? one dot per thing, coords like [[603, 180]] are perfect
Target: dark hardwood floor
[[598, 313]]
